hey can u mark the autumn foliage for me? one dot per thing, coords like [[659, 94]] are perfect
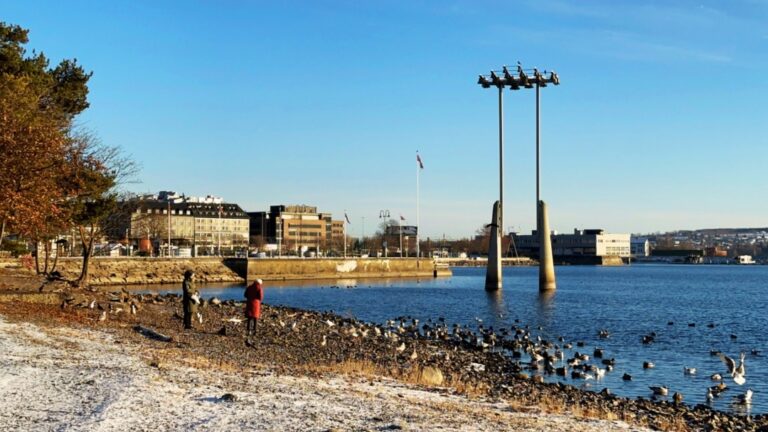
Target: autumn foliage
[[53, 177]]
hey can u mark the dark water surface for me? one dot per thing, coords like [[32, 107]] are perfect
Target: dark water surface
[[628, 301]]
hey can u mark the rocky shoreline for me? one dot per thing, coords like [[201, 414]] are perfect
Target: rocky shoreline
[[306, 343]]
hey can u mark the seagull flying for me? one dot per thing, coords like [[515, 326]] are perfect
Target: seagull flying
[[737, 372]]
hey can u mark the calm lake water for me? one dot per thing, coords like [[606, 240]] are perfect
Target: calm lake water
[[628, 301]]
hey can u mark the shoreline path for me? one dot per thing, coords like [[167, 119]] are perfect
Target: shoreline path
[[77, 379]]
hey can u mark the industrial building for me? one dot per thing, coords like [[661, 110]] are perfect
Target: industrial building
[[589, 246]]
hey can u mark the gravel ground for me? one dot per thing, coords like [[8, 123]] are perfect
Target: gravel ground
[[77, 379]]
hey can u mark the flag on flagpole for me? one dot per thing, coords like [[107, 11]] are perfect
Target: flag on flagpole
[[418, 159], [347, 218]]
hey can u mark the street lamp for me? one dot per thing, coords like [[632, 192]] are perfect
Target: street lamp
[[514, 82], [384, 214]]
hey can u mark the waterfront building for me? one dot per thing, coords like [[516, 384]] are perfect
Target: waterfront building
[[199, 226], [640, 247], [296, 229], [582, 246]]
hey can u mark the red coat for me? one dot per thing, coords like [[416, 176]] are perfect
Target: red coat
[[254, 294]]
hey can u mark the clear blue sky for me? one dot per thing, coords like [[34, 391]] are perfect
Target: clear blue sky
[[660, 122]]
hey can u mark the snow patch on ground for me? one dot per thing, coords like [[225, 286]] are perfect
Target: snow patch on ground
[[56, 379]]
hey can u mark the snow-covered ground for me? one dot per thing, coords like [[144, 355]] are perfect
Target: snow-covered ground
[[84, 380]]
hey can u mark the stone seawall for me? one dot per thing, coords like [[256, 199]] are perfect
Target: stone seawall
[[142, 271], [341, 268]]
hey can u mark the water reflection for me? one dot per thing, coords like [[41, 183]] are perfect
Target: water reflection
[[546, 306], [496, 307]]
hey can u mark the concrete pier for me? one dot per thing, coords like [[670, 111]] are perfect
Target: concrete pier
[[493, 274], [546, 262]]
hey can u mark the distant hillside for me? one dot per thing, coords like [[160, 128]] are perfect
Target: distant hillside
[[721, 231]]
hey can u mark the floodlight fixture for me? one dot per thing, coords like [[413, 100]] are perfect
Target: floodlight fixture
[[510, 80], [497, 81], [524, 79], [540, 79], [554, 78], [483, 81]]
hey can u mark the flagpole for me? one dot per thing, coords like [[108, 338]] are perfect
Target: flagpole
[[345, 233], [418, 228]]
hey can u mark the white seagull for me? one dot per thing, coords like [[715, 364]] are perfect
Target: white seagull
[[737, 372], [745, 398]]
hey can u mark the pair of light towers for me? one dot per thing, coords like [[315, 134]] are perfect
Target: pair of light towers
[[521, 79]]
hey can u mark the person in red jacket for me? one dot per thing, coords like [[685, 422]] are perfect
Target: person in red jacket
[[254, 295]]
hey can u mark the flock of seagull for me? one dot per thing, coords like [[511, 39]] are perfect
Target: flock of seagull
[[560, 358]]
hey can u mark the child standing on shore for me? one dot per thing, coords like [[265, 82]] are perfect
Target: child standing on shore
[[254, 295]]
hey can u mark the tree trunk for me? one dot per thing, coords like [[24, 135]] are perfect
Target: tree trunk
[[37, 257], [87, 249], [2, 233], [56, 258], [47, 250]]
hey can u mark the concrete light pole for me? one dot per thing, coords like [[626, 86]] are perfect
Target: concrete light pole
[[493, 278], [546, 260]]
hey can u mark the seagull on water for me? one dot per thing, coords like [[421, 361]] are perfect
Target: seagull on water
[[746, 398], [737, 372], [689, 371], [659, 390]]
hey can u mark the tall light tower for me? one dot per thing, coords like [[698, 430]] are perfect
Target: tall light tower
[[384, 216], [521, 79]]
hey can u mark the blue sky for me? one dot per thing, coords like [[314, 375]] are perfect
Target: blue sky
[[659, 123]]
